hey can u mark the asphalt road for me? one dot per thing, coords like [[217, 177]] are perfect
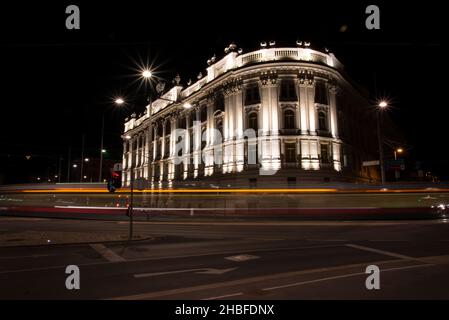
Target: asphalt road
[[232, 260]]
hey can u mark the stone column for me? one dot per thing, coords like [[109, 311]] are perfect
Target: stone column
[[171, 164], [208, 152], [228, 127], [304, 81], [124, 163], [187, 150], [239, 142], [270, 135], [197, 142], [311, 108], [333, 109]]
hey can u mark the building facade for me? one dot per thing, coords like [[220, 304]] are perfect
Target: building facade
[[279, 116]]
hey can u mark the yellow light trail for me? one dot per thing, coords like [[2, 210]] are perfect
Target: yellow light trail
[[237, 191]]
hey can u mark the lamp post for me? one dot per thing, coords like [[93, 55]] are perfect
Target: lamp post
[[147, 75], [101, 149], [396, 171], [382, 105], [398, 150], [82, 159]]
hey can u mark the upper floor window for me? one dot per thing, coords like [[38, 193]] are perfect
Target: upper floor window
[[252, 95], [203, 115], [289, 119], [322, 121], [320, 93], [252, 121], [288, 91], [219, 103]]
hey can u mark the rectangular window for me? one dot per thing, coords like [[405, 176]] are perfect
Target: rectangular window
[[290, 152], [320, 93], [288, 91], [252, 95], [325, 153]]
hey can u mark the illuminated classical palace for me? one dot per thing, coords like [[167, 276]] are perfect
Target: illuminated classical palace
[[285, 115]]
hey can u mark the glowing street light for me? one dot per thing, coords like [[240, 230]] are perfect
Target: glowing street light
[[398, 150], [75, 166], [119, 101], [147, 74], [86, 160], [383, 104], [103, 150]]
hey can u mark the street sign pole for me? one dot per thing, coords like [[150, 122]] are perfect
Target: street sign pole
[[130, 207]]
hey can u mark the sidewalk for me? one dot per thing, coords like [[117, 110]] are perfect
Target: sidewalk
[[33, 238]]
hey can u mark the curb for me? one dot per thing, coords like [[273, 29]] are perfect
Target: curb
[[78, 243]]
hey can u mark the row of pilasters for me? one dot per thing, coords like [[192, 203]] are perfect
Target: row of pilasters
[[233, 125]]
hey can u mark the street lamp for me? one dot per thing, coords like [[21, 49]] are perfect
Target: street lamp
[[382, 106], [119, 101], [147, 74], [396, 171], [398, 150]]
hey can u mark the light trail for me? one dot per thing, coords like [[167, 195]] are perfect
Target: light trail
[[237, 191]]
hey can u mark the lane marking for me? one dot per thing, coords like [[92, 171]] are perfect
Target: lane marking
[[383, 252], [215, 253], [170, 292], [108, 254], [242, 257], [215, 271], [224, 296], [328, 240], [343, 276]]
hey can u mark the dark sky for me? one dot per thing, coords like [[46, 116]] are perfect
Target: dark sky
[[57, 83]]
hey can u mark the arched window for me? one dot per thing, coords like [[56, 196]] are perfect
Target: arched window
[[289, 119], [322, 121], [252, 121]]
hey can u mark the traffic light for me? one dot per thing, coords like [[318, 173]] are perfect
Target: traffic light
[[115, 181]]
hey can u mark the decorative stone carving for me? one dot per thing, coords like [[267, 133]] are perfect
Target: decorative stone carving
[[269, 78], [232, 86], [306, 77]]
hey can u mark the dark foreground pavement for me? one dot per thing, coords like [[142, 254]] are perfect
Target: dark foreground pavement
[[232, 260]]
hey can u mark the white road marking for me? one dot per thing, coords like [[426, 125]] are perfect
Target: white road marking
[[244, 281], [242, 257], [167, 257], [108, 254], [224, 296], [383, 252], [199, 270], [342, 276], [328, 240]]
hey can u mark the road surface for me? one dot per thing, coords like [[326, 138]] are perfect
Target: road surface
[[232, 260]]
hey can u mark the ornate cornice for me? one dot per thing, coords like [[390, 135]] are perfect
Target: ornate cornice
[[306, 78], [269, 78], [232, 86]]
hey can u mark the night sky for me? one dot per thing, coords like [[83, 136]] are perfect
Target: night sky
[[57, 83]]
